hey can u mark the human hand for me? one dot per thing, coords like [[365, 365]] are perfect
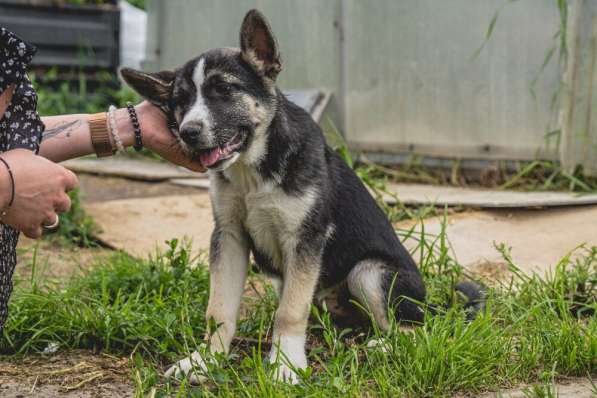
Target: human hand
[[40, 191], [157, 137]]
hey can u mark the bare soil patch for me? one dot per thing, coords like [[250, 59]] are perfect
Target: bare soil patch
[[573, 387], [73, 374]]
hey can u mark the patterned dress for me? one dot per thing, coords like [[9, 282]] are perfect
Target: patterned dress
[[20, 127]]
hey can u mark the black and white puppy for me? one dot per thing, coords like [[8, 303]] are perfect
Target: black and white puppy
[[281, 194]]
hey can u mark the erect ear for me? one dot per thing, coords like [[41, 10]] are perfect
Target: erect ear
[[154, 87], [258, 45]]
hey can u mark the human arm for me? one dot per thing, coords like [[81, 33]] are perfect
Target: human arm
[[68, 136], [40, 188], [33, 189]]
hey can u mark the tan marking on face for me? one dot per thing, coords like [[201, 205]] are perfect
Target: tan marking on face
[[227, 77], [259, 114]]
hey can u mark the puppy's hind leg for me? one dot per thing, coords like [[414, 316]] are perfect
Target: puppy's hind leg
[[378, 287]]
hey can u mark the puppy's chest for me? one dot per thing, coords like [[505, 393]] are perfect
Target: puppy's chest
[[272, 219]]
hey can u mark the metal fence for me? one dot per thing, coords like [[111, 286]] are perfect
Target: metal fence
[[404, 73], [66, 35]]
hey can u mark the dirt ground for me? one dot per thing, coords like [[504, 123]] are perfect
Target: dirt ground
[[75, 374]]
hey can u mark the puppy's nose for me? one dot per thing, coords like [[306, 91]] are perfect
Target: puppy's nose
[[190, 133]]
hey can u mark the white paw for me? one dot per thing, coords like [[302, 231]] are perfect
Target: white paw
[[289, 354], [193, 367], [380, 344], [285, 374]]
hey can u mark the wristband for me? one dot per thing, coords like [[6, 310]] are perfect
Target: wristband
[[100, 136]]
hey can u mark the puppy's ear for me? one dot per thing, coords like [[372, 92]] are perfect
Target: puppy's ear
[[258, 45], [154, 87]]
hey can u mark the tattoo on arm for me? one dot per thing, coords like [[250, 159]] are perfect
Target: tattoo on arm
[[56, 131]]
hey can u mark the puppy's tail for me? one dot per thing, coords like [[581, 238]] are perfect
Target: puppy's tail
[[475, 295]]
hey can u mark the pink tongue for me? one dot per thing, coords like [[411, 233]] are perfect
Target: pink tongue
[[211, 157]]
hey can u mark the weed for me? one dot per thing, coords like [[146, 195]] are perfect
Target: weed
[[549, 176]]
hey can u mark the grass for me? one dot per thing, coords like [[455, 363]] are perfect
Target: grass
[[534, 330]]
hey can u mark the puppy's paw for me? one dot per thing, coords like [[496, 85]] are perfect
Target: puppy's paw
[[287, 356], [194, 368], [380, 344], [285, 374]]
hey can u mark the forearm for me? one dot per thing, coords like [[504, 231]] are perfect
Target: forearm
[[68, 136]]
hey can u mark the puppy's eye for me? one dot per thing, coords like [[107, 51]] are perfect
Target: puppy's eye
[[223, 88]]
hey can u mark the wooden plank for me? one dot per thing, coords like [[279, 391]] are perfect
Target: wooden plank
[[424, 195]]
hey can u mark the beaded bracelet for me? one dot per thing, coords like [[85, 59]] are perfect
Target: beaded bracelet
[[12, 189], [133, 114]]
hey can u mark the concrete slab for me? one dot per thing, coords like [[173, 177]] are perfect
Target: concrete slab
[[139, 226], [137, 169], [538, 238], [420, 194]]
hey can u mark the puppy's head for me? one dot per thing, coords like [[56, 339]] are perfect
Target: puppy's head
[[223, 100]]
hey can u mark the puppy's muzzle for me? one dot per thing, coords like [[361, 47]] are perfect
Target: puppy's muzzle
[[190, 133]]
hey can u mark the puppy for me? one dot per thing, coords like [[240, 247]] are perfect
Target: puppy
[[281, 194]]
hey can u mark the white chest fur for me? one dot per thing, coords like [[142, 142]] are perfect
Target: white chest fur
[[271, 217]]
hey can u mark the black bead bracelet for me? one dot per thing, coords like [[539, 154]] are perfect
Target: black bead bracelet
[[133, 115], [12, 185]]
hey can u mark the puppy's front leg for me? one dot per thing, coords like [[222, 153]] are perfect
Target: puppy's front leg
[[290, 325], [228, 264]]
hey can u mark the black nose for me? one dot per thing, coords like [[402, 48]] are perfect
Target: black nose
[[190, 133]]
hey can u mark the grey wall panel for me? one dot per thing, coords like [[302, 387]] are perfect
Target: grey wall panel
[[307, 32], [579, 124], [400, 70], [411, 83]]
